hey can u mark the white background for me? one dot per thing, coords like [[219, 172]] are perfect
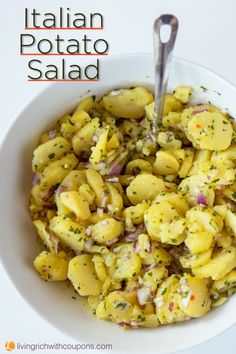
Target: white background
[[207, 36]]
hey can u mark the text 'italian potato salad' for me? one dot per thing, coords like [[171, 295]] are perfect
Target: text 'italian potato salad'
[[143, 227]]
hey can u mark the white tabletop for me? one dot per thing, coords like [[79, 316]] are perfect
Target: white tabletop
[[207, 36]]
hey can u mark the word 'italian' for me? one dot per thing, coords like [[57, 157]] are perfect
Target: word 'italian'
[[64, 18]]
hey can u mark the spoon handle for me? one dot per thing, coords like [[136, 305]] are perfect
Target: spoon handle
[[163, 52]]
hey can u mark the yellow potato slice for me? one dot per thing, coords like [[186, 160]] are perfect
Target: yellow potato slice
[[75, 202], [157, 215], [127, 103], [225, 283], [51, 266], [107, 230], [138, 165], [183, 93], [144, 187], [81, 273], [195, 300], [136, 213], [219, 265], [165, 164], [176, 200], [199, 242], [70, 233], [211, 131], [193, 261], [50, 151]]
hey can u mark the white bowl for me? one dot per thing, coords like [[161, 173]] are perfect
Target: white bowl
[[18, 242]]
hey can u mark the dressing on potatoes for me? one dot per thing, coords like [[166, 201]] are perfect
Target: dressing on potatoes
[[143, 227]]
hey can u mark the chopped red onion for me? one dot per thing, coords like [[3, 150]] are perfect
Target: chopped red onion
[[60, 190], [159, 301], [86, 164], [130, 230], [101, 165], [52, 134], [105, 223], [185, 248], [197, 111], [135, 244], [131, 237], [131, 289], [36, 178], [112, 179], [96, 135], [150, 246], [143, 295], [118, 218], [116, 170], [170, 306], [217, 237], [55, 242], [124, 324], [117, 249], [149, 267], [175, 253], [134, 323], [155, 244], [201, 199], [88, 244], [110, 242], [151, 137], [140, 228], [127, 256], [104, 199], [110, 208], [100, 212], [222, 187], [88, 231], [48, 194]]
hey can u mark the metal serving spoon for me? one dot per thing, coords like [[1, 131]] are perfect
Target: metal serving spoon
[[163, 52]]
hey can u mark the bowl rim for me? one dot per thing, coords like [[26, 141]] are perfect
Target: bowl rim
[[4, 138]]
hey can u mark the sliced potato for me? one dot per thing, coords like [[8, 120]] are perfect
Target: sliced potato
[[196, 300], [70, 233], [107, 230], [136, 213], [144, 187], [211, 131], [96, 183], [199, 242], [165, 164], [128, 103], [197, 260], [225, 283], [82, 274], [50, 151], [183, 93], [83, 140], [157, 215], [136, 166], [218, 266], [75, 202], [51, 266]]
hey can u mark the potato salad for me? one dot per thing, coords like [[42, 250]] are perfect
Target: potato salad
[[143, 226]]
